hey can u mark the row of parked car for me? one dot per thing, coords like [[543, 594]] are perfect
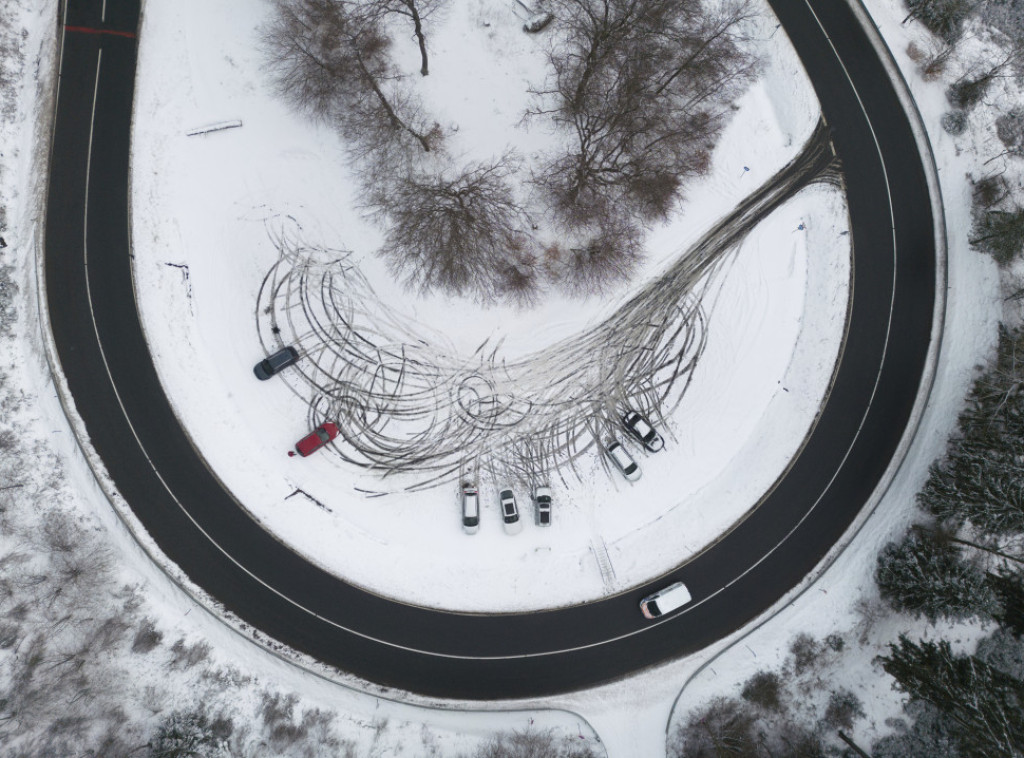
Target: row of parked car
[[510, 520], [663, 601]]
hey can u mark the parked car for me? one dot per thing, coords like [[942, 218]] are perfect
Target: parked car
[[666, 600], [542, 500], [509, 512], [537, 22], [623, 461], [641, 428], [317, 439], [282, 359], [470, 509]]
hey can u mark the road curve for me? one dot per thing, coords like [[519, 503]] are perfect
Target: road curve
[[117, 393]]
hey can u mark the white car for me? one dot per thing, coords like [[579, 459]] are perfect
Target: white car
[[470, 509], [666, 600], [509, 512], [623, 461]]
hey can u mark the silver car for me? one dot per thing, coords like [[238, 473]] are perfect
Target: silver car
[[470, 509], [623, 461], [509, 512]]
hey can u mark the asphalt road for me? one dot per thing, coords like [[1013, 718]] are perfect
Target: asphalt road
[[199, 526]]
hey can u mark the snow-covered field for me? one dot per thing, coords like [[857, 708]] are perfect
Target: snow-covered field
[[203, 201], [776, 317]]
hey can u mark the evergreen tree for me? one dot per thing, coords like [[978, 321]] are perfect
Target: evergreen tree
[[982, 702], [1009, 588], [1003, 651], [924, 577], [981, 481], [929, 735], [182, 735]]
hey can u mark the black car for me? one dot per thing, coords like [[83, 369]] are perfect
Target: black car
[[282, 359], [641, 428]]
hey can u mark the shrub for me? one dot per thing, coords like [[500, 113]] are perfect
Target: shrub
[[147, 637], [186, 656], [954, 122], [763, 689], [843, 709], [805, 650]]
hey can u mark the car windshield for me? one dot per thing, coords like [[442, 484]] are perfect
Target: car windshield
[[323, 435], [652, 608]]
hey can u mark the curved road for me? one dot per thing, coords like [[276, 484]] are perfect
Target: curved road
[[199, 526]]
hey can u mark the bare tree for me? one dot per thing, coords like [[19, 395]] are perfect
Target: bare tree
[[641, 87], [416, 11], [330, 59], [601, 256], [459, 233]]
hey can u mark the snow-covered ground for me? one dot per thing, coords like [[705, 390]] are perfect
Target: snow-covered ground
[[276, 164], [845, 600], [776, 316]]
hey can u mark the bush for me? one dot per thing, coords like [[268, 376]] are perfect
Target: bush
[[182, 735], [186, 656], [842, 710], [943, 18], [763, 689], [965, 93], [954, 122], [805, 650], [1000, 233], [530, 743], [723, 727], [1010, 130], [147, 637], [835, 642]]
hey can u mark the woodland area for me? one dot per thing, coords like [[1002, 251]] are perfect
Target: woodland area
[[638, 91]]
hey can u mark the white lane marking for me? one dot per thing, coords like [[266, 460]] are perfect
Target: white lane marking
[[888, 328], [103, 11], [563, 650]]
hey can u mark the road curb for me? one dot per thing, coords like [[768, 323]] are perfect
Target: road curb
[[916, 121]]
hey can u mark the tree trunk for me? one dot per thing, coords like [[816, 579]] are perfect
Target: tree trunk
[[418, 30]]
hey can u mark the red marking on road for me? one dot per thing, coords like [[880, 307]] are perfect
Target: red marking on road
[[90, 30]]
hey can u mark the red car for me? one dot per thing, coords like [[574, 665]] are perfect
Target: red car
[[316, 439]]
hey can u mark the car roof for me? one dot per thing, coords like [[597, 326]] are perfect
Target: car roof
[[672, 597]]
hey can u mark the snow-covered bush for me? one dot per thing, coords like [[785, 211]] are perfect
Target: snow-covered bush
[[944, 18], [954, 122], [535, 743], [183, 735], [763, 689]]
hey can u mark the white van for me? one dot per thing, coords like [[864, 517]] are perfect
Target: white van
[[666, 600]]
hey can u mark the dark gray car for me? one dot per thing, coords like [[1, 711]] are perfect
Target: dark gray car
[[282, 359]]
